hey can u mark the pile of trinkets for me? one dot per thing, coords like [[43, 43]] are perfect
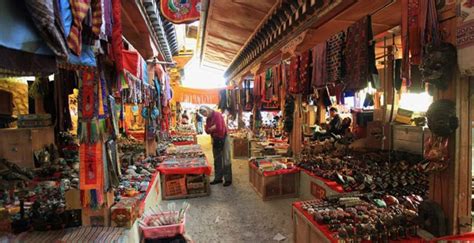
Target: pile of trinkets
[[185, 151], [272, 163], [367, 172], [377, 218]]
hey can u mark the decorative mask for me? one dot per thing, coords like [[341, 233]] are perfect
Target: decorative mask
[[438, 65]]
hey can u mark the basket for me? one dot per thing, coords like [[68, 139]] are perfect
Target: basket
[[165, 231]]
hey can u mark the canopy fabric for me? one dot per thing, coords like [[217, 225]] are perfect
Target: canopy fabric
[[196, 96]]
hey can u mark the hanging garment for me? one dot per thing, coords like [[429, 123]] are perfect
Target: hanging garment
[[268, 85], [277, 78], [294, 85], [117, 42], [335, 58], [361, 64], [319, 65], [79, 10], [397, 74], [465, 38], [43, 16], [88, 130], [91, 166], [305, 72], [23, 53]]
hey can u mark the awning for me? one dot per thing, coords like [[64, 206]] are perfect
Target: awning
[[196, 96]]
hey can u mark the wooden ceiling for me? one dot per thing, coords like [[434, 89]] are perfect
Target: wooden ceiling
[[229, 25], [135, 29]]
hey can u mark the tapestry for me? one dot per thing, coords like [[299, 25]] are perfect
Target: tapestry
[[465, 37], [357, 48], [181, 11], [88, 129], [305, 71], [294, 86], [91, 166], [335, 58], [319, 65]]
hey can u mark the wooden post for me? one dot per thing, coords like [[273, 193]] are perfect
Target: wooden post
[[296, 132]]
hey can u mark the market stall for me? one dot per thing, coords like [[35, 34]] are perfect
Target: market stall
[[185, 173]]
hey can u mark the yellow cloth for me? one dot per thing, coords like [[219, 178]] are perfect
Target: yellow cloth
[[195, 96]]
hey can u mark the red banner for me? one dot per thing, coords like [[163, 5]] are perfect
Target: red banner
[[181, 11]]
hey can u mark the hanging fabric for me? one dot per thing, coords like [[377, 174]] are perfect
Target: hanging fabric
[[360, 67], [181, 12], [268, 85], [335, 58], [88, 107], [305, 72], [465, 37], [43, 16], [319, 65], [294, 86], [91, 166], [79, 9]]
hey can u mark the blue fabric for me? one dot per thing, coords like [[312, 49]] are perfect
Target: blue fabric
[[87, 57], [17, 31], [66, 16], [145, 73]]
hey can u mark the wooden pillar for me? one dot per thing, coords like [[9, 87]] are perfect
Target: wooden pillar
[[296, 132]]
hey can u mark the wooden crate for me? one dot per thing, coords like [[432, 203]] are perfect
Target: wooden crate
[[240, 148], [313, 188], [21, 144], [167, 196], [274, 187], [304, 231], [409, 138]]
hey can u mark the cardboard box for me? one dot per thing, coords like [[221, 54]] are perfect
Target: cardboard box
[[125, 212]]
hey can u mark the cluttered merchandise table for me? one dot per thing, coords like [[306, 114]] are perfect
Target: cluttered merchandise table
[[185, 172]]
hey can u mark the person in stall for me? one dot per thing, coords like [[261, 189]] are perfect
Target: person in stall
[[216, 127], [333, 128], [184, 118]]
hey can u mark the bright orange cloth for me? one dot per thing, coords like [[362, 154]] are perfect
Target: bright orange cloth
[[196, 96]]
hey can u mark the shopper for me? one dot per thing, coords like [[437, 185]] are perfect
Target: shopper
[[216, 127], [184, 118], [198, 123]]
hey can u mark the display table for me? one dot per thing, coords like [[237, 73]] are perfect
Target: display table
[[283, 183], [185, 177], [312, 186], [307, 230]]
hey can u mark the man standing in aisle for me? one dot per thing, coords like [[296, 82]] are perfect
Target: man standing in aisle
[[216, 127], [198, 123]]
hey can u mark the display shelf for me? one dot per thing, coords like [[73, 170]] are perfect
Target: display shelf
[[312, 186], [185, 194]]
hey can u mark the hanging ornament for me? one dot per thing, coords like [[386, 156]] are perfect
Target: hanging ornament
[[181, 11]]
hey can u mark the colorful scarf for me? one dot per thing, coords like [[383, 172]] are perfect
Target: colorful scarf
[[465, 38], [335, 58], [319, 65], [91, 166], [305, 72], [88, 107]]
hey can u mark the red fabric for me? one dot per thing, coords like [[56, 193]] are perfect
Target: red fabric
[[183, 143], [293, 170], [467, 237], [186, 171], [91, 166], [294, 86], [331, 184], [328, 234], [117, 42], [221, 128], [180, 13], [130, 62]]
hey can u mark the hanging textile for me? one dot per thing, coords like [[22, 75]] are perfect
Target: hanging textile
[[319, 65], [117, 42], [257, 89], [294, 85], [91, 166], [79, 10], [268, 94], [305, 72], [196, 96], [277, 82], [23, 53], [335, 58], [64, 83], [465, 38], [43, 15], [360, 66], [88, 130], [182, 11]]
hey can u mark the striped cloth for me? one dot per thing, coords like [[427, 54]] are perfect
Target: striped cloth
[[42, 13], [80, 9]]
